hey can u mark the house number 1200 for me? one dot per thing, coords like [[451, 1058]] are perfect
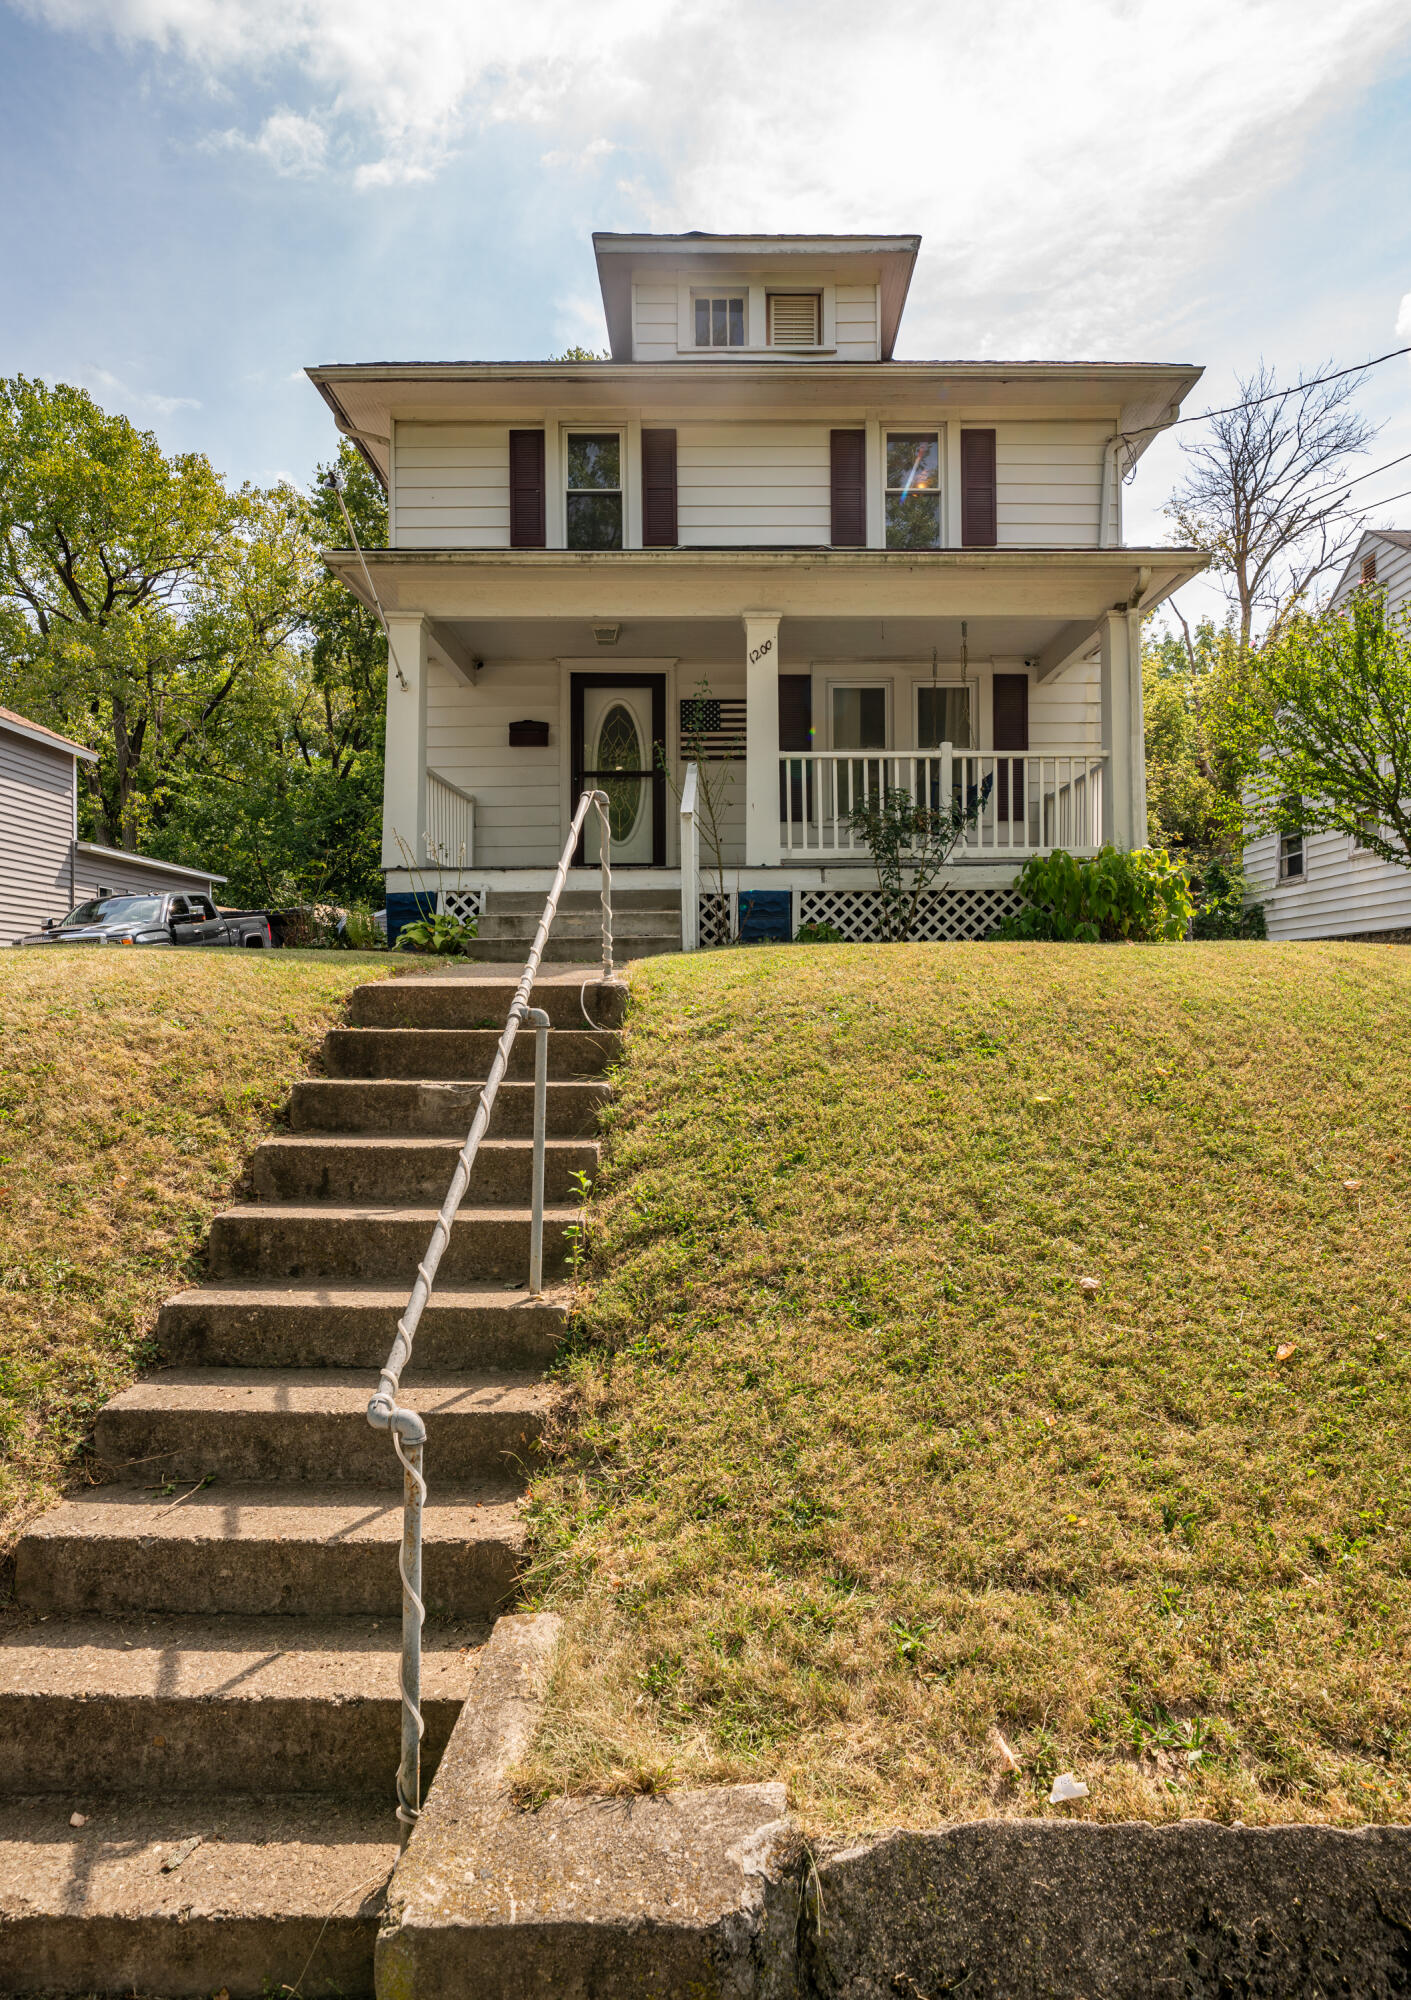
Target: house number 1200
[[765, 646]]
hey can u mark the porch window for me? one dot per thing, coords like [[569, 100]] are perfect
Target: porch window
[[859, 718], [942, 716], [913, 490], [594, 490], [720, 322]]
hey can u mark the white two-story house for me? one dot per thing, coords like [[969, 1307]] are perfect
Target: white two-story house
[[755, 537]]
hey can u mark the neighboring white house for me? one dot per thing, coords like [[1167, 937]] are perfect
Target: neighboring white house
[[45, 869], [754, 527], [1326, 885]]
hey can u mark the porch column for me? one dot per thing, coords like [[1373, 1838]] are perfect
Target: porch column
[[1124, 792], [761, 739], [404, 776]]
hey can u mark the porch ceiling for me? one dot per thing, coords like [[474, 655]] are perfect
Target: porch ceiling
[[710, 641], [1030, 603]]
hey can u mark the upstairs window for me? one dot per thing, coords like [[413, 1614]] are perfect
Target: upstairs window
[[720, 322], [913, 490], [594, 490], [793, 319]]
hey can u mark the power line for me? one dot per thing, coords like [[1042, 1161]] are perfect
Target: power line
[[1274, 396]]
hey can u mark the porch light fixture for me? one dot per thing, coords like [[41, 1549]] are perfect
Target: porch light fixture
[[606, 635]]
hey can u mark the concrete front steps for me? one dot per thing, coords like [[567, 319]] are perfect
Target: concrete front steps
[[644, 922], [205, 1648]]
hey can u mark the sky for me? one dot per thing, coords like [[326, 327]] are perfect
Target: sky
[[202, 197]]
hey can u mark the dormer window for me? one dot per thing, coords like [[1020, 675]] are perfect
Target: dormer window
[[720, 321], [793, 319]]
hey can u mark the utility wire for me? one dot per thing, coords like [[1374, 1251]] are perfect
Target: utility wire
[[1274, 396], [335, 486]]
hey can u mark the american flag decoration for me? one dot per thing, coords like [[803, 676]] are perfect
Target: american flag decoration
[[712, 729]]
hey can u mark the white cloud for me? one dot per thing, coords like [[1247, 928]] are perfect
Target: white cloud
[[1403, 319], [1070, 165], [114, 392]]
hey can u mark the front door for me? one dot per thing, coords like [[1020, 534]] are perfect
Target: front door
[[618, 727]]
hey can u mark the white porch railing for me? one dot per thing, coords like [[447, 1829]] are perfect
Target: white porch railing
[[1034, 802], [450, 823]]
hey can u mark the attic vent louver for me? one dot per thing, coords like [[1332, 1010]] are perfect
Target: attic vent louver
[[793, 319]]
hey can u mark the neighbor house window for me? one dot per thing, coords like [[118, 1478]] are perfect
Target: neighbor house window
[[793, 319], [942, 716], [720, 322], [913, 490], [1291, 857], [594, 490], [1368, 828]]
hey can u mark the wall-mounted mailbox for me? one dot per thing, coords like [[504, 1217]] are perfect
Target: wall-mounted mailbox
[[529, 736]]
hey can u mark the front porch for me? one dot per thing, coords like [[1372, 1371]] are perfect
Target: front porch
[[1012, 679]]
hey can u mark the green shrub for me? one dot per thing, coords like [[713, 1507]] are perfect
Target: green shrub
[[439, 933], [1220, 908], [818, 934], [1140, 896]]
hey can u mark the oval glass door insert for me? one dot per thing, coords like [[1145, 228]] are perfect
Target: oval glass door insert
[[620, 749]]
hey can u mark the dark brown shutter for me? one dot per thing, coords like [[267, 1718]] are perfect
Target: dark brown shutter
[[658, 489], [1011, 732], [849, 470], [527, 490], [978, 524], [796, 734]]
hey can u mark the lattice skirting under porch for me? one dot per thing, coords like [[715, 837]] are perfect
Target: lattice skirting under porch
[[955, 916], [463, 904]]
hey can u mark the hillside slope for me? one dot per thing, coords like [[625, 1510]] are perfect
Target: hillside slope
[[132, 1089], [860, 1472]]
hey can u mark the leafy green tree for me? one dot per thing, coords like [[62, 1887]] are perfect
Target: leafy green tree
[[1329, 739], [146, 593], [290, 788]]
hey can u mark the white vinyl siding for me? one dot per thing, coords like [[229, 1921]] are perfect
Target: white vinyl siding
[[1049, 478], [518, 808], [753, 485], [856, 317], [130, 874], [36, 833], [1342, 893], [655, 329], [1393, 572], [452, 486], [1067, 711]]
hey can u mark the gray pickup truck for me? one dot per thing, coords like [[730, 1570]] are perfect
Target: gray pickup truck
[[156, 919]]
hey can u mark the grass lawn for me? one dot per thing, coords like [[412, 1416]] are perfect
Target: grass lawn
[[857, 1473], [132, 1090]]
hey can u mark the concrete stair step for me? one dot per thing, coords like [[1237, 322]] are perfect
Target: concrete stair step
[[296, 1549], [236, 1325], [266, 1424], [178, 1705], [277, 1888], [570, 950], [463, 1054], [531, 901], [441, 1110], [299, 1241], [360, 1168], [583, 926], [482, 1003]]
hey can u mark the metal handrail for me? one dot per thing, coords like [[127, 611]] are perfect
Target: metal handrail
[[384, 1412]]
